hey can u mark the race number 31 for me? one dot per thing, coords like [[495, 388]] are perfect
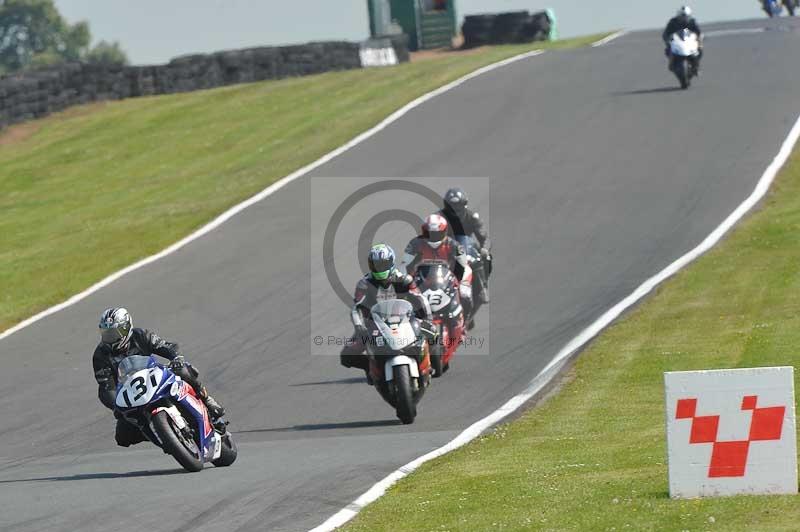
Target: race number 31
[[731, 432]]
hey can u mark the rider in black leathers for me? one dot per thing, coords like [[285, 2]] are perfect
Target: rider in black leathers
[[383, 277], [464, 221], [683, 20], [119, 340]]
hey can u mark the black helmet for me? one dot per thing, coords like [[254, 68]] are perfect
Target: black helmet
[[455, 200], [381, 261], [116, 327]]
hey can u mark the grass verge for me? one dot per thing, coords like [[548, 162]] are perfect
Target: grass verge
[[593, 456], [89, 191]]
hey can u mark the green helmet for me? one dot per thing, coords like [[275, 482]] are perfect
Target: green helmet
[[381, 261]]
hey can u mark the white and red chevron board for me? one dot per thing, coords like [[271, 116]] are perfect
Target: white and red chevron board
[[731, 432]]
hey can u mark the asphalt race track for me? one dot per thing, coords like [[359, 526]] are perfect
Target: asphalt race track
[[600, 175]]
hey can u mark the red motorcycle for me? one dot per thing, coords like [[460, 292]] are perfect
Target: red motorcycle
[[441, 288]]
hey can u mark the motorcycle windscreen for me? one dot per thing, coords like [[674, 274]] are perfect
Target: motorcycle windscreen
[[130, 365], [468, 244], [393, 320]]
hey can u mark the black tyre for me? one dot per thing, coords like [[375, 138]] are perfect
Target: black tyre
[[682, 71], [436, 351], [406, 409], [174, 442], [229, 451]]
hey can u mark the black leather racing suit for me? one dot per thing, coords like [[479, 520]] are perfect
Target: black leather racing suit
[[105, 361], [677, 24], [469, 223], [398, 285]]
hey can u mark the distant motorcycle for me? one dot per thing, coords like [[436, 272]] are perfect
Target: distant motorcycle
[[684, 49], [168, 412], [481, 270], [399, 356], [441, 288], [774, 8]]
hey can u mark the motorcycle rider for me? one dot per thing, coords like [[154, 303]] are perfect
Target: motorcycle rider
[[791, 6], [466, 222], [384, 281], [119, 339], [435, 244], [683, 20]]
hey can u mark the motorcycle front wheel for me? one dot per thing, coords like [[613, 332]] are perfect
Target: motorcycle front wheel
[[405, 407], [437, 352], [682, 71], [175, 443]]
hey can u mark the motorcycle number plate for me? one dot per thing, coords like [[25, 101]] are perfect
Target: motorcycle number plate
[[437, 299]]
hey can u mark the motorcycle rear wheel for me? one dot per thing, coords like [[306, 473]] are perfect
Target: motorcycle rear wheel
[[406, 409], [172, 442]]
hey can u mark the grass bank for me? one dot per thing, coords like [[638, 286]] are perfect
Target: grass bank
[[593, 457], [89, 191]]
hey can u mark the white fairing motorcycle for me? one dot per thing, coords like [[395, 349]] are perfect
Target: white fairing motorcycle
[[399, 356], [684, 48]]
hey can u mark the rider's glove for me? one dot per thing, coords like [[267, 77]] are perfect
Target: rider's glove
[[177, 363], [361, 331]]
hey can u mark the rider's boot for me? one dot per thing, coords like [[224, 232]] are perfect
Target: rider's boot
[[482, 294], [215, 410]]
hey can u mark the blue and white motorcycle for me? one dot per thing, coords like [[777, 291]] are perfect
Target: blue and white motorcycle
[[168, 412], [773, 8]]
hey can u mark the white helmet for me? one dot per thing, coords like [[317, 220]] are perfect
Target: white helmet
[[116, 327], [685, 11], [435, 230]]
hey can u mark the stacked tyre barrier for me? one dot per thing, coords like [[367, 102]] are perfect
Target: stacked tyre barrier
[[37, 93], [505, 28]]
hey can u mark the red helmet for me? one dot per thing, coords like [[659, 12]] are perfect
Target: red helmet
[[435, 229]]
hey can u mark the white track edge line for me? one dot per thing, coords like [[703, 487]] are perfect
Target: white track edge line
[[608, 38], [550, 370], [236, 209]]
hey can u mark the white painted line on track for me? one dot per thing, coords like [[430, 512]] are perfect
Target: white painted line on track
[[236, 209], [741, 31], [608, 38], [551, 370]]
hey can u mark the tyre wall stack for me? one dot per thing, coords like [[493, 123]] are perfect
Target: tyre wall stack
[[37, 93], [505, 28]]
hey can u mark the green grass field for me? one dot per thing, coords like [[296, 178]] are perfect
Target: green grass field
[[89, 191], [593, 457]]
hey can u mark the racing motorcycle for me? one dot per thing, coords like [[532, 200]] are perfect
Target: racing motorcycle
[[441, 288], [684, 49], [773, 8], [399, 356], [481, 270], [168, 412]]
